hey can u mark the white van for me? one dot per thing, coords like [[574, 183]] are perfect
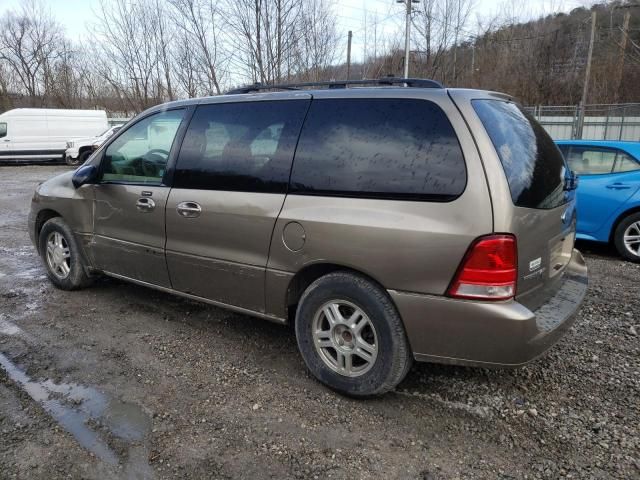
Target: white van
[[42, 133]]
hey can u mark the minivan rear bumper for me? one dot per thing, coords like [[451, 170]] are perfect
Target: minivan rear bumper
[[464, 332]]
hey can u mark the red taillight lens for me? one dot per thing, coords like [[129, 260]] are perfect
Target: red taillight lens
[[488, 271]]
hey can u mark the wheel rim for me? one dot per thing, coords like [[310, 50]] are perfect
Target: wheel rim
[[632, 239], [345, 338], [58, 255]]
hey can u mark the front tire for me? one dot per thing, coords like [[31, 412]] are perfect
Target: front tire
[[627, 237], [61, 256], [351, 336]]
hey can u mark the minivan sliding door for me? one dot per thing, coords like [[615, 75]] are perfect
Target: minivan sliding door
[[229, 185]]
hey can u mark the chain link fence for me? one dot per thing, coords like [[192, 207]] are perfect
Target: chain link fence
[[601, 122]]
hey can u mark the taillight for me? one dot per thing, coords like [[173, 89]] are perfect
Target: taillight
[[488, 271]]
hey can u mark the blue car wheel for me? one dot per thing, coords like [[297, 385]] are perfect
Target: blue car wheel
[[627, 237]]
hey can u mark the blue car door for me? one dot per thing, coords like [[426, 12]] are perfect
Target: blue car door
[[603, 186]]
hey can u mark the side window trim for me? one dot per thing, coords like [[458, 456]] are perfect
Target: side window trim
[[167, 179], [177, 141]]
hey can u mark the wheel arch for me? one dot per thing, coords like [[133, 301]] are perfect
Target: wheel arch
[[620, 218], [309, 274], [43, 217], [83, 149]]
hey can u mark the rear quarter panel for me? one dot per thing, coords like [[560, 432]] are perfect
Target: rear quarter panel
[[412, 246], [545, 237]]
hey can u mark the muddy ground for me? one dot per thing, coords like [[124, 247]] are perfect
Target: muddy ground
[[118, 381]]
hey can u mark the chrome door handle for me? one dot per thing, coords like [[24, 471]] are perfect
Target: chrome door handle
[[145, 204], [189, 209]]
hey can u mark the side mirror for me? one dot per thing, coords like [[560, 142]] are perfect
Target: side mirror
[[85, 175]]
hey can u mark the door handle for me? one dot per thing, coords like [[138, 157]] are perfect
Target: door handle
[[6, 140], [618, 186], [189, 209], [145, 205]]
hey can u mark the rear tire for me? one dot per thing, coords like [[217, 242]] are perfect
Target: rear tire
[[351, 336], [61, 255], [628, 227]]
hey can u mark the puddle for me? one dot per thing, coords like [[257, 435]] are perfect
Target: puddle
[[73, 405]]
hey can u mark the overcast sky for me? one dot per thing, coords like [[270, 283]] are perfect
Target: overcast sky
[[75, 14]]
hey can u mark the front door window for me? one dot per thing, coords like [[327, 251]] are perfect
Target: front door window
[[140, 154]]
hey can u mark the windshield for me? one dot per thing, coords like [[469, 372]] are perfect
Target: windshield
[[532, 163]]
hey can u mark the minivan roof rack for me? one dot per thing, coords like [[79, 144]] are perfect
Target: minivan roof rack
[[384, 81]]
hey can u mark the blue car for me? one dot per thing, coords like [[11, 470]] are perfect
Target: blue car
[[608, 192]]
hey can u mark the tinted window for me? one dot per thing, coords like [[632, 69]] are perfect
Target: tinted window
[[387, 148], [3, 130], [140, 154], [240, 146], [533, 165]]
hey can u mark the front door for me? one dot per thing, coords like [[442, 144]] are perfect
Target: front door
[[229, 186], [130, 200]]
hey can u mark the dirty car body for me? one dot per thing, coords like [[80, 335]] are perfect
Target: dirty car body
[[273, 203]]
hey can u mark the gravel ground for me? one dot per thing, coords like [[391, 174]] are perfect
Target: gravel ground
[[118, 381]]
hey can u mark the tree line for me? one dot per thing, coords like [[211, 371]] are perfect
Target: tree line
[[138, 53], [142, 52]]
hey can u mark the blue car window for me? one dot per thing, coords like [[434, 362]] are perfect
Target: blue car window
[[624, 163], [591, 160]]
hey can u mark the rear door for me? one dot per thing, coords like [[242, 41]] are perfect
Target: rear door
[[228, 189], [608, 178], [130, 199], [527, 176]]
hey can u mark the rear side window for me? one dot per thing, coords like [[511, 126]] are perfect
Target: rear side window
[[379, 148], [532, 162], [3, 129], [246, 147], [592, 160]]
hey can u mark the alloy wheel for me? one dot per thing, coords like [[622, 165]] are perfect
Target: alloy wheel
[[345, 338], [632, 239], [58, 255]]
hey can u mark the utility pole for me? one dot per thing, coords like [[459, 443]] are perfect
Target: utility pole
[[473, 59], [349, 55], [587, 74], [407, 35], [623, 47]]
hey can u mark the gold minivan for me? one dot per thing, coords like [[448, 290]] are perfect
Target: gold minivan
[[394, 221]]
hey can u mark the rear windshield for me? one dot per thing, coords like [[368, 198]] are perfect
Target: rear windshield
[[532, 162]]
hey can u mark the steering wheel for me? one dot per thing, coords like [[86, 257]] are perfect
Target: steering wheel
[[158, 152], [151, 162]]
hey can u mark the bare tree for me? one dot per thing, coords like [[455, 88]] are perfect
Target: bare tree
[[318, 47], [264, 35], [126, 52], [200, 22], [29, 41]]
